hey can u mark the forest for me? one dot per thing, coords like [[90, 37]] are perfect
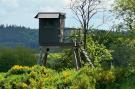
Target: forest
[[12, 36], [112, 54]]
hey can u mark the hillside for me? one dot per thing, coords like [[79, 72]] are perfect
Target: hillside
[[12, 36]]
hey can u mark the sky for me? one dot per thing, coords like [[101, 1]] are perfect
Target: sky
[[22, 12]]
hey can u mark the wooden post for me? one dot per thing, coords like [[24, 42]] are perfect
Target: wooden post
[[39, 61], [77, 60], [45, 57], [78, 56]]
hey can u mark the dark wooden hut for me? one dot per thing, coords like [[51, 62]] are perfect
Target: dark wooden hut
[[51, 28]]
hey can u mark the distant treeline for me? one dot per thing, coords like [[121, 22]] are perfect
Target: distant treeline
[[13, 36]]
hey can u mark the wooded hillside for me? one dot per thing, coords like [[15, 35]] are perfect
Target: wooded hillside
[[12, 36]]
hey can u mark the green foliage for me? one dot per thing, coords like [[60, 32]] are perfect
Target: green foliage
[[16, 56], [123, 56], [61, 61], [38, 78], [43, 78], [125, 5], [86, 78], [123, 51], [107, 38], [125, 78], [121, 44], [106, 80], [116, 78], [128, 81], [97, 53], [2, 76], [13, 36], [125, 10], [19, 70]]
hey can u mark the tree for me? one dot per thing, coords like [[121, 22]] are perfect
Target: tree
[[124, 49], [84, 10], [125, 10], [98, 53]]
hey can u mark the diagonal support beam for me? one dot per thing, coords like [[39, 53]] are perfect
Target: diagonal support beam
[[87, 57]]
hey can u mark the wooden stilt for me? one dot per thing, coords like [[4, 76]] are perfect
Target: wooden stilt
[[77, 59], [87, 57], [45, 57], [39, 61]]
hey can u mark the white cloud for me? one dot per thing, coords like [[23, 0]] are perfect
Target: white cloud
[[23, 11]]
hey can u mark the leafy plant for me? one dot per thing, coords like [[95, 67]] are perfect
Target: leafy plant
[[98, 53]]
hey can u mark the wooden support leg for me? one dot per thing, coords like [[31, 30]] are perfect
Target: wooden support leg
[[39, 61], [87, 57], [45, 57], [77, 58]]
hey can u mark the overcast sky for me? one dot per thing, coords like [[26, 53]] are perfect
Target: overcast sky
[[22, 12]]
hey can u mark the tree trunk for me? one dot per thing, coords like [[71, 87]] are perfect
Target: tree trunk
[[84, 38]]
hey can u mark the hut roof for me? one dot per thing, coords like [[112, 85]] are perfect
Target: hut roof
[[49, 15]]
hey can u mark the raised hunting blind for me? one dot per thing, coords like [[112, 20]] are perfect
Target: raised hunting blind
[[52, 33], [51, 28]]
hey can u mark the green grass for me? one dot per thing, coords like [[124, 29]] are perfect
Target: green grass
[[55, 56]]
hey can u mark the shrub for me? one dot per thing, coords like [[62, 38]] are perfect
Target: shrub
[[106, 80], [19, 70], [2, 76], [85, 79], [98, 53], [40, 77]]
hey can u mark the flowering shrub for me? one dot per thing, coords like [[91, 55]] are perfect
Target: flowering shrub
[[19, 70], [38, 77]]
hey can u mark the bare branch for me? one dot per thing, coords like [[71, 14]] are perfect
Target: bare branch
[[85, 10]]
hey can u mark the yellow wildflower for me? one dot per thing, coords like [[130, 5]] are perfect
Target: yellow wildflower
[[66, 74], [23, 85]]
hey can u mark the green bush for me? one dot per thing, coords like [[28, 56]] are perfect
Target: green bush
[[19, 70], [16, 56], [44, 78], [39, 77], [2, 76], [106, 80], [98, 53]]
